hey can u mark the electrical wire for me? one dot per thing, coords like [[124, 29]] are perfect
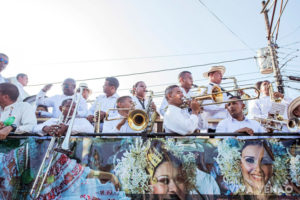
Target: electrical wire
[[240, 39], [153, 71]]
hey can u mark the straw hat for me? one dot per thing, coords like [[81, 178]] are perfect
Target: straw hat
[[213, 69], [293, 105]]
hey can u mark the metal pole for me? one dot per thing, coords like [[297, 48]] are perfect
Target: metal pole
[[271, 45]]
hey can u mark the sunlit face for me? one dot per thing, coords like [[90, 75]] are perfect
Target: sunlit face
[[85, 93], [215, 77], [175, 98], [68, 87], [264, 88], [235, 108], [23, 80], [141, 89], [187, 81], [168, 180], [256, 166], [65, 109], [108, 89]]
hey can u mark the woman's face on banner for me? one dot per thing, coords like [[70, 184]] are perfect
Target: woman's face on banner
[[256, 166], [168, 180]]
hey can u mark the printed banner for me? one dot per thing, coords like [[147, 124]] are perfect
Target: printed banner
[[135, 168]]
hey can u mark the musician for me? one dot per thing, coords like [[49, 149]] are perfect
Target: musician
[[215, 112], [3, 63], [68, 87], [22, 81], [18, 117], [139, 96], [86, 92], [237, 122], [186, 83], [54, 127], [177, 120], [261, 107], [294, 109], [106, 101], [42, 111], [120, 125]]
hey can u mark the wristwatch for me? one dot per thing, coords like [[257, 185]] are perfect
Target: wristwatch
[[14, 127]]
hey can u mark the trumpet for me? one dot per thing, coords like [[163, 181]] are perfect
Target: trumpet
[[272, 96], [137, 119], [97, 119], [217, 96], [55, 146], [294, 124]]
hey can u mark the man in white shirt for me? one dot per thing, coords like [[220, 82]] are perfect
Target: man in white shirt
[[22, 81], [59, 126], [3, 64], [214, 112], [18, 117], [68, 87], [237, 122], [177, 120], [121, 124], [106, 101], [186, 83], [262, 107]]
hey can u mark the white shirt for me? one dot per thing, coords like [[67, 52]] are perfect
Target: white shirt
[[55, 102], [22, 93], [24, 114], [105, 103], [230, 125], [177, 120], [262, 106], [2, 79], [80, 125], [164, 104], [210, 186], [111, 126], [138, 104], [217, 111]]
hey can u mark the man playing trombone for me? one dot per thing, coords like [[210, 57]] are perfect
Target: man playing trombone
[[177, 120], [214, 112], [58, 127], [119, 123]]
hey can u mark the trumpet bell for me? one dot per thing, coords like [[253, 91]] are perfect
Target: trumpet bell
[[294, 125], [138, 120]]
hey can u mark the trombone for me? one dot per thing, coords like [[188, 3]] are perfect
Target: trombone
[[217, 96], [55, 146], [137, 119], [294, 124]]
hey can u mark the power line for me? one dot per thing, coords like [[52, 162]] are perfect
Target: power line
[[154, 71], [212, 13], [143, 57], [292, 32]]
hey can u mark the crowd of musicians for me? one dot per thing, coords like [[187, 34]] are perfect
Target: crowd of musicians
[[180, 112]]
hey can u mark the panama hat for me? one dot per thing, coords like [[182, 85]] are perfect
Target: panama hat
[[213, 69], [293, 105]]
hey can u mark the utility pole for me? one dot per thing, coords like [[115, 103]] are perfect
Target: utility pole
[[272, 46]]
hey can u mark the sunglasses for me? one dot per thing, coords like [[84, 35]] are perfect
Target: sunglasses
[[3, 60]]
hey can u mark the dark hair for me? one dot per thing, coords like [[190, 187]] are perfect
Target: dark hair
[[122, 99], [21, 75], [64, 102], [42, 106], [262, 83], [182, 74], [169, 90], [258, 84], [70, 80], [137, 83], [112, 81], [9, 89], [252, 142], [235, 97]]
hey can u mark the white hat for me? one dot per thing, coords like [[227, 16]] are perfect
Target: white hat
[[213, 69], [293, 105]]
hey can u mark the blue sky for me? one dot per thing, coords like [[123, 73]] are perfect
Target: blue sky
[[53, 40]]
